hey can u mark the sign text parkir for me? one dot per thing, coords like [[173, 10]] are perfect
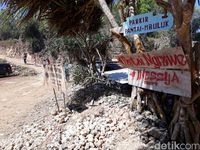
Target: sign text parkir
[[148, 22]]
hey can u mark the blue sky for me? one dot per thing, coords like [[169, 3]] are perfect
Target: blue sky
[[2, 7], [196, 4]]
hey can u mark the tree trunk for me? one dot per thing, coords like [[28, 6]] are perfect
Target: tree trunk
[[107, 12], [114, 24], [184, 120], [121, 11], [136, 39], [139, 49]]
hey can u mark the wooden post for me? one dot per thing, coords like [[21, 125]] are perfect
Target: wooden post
[[139, 100], [56, 79], [64, 102], [133, 96], [139, 49], [56, 100]]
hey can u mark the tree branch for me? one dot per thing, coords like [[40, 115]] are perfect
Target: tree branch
[[137, 41], [123, 40], [108, 13], [164, 5], [189, 101], [177, 12], [121, 11]]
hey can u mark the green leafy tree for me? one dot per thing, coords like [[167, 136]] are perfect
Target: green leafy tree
[[64, 16], [83, 49], [144, 6], [8, 26], [75, 18], [34, 37]]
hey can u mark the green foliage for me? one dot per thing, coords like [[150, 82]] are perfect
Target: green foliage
[[55, 46], [78, 48], [149, 44], [5, 33], [65, 16], [8, 27], [145, 6], [36, 45], [116, 14], [79, 74], [34, 37]]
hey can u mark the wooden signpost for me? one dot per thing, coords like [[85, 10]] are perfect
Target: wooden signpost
[[164, 71], [148, 22], [56, 76], [57, 80]]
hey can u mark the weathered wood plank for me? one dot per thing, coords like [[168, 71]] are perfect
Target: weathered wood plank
[[56, 77], [168, 58], [167, 81]]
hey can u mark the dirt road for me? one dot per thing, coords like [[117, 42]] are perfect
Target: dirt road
[[18, 96]]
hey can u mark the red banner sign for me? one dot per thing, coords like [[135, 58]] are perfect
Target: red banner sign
[[172, 58]]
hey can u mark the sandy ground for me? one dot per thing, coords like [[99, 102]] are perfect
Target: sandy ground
[[18, 96], [19, 99]]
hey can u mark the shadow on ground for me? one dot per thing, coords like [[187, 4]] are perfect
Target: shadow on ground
[[93, 92]]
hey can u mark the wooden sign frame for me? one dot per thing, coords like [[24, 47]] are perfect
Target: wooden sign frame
[[165, 70]]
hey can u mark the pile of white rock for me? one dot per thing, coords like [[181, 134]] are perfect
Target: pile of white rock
[[100, 127], [95, 131]]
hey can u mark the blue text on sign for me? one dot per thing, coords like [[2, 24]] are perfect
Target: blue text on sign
[[145, 23]]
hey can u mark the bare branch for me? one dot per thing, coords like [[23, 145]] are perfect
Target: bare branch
[[108, 13], [177, 12], [185, 102], [187, 13], [164, 4], [124, 41], [137, 41], [121, 8]]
